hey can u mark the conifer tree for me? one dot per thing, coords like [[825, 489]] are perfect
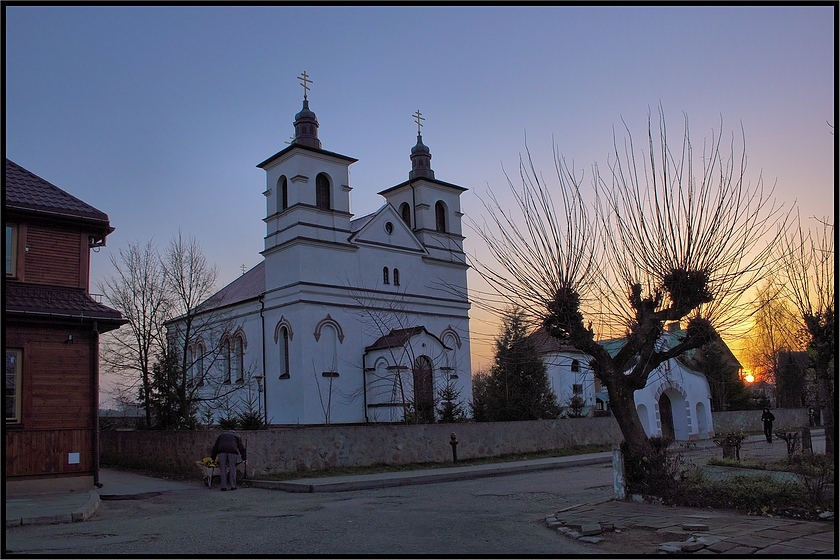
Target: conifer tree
[[518, 387]]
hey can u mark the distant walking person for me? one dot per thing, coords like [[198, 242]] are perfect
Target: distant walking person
[[228, 448], [767, 417]]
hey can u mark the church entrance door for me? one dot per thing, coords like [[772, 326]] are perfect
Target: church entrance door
[[424, 398], [666, 417]]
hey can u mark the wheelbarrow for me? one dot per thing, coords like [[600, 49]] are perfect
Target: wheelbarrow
[[210, 471]]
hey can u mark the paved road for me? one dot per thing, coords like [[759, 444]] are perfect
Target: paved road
[[499, 515]]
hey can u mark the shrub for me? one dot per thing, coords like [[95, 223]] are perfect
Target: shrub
[[815, 473], [250, 421], [748, 493], [229, 423]]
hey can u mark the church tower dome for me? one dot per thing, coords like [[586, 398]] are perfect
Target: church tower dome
[[421, 157], [306, 123]]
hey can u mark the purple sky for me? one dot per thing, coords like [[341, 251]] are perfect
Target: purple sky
[[158, 115]]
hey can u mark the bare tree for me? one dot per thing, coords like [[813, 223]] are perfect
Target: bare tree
[[171, 344], [809, 264], [776, 331], [659, 243], [193, 336], [138, 292]]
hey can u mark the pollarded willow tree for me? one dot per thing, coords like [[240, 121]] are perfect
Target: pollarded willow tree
[[661, 240]]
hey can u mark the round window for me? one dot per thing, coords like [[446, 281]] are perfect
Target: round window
[[389, 228]]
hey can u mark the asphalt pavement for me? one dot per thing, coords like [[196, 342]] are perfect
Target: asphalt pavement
[[684, 530]]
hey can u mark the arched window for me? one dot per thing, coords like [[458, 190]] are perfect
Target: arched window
[[322, 191], [284, 352], [575, 366], [226, 360], [405, 211], [396, 277], [283, 190], [199, 363], [440, 216], [239, 359], [385, 279]]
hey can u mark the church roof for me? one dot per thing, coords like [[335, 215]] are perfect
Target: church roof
[[434, 181], [399, 337], [360, 222], [248, 286], [545, 343]]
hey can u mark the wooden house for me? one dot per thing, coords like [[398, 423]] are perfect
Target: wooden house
[[52, 329]]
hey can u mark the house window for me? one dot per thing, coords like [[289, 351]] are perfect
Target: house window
[[440, 217], [11, 249], [239, 359], [283, 189], [322, 191], [226, 359], [284, 353], [405, 211], [577, 389], [13, 385], [575, 366], [385, 278], [396, 277]]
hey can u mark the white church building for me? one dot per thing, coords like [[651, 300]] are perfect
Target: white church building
[[346, 319], [676, 402]]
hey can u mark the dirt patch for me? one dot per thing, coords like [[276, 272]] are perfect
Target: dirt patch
[[630, 541]]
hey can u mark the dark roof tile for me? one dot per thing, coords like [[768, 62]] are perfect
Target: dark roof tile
[[27, 191], [38, 300]]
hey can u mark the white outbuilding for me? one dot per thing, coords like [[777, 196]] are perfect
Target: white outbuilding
[[676, 402]]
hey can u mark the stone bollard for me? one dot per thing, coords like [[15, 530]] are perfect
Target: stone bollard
[[619, 484]]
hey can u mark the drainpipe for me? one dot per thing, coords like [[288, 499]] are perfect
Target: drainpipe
[[364, 385], [265, 376], [94, 398]]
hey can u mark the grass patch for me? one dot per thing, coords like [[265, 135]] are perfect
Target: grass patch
[[804, 497], [389, 468]]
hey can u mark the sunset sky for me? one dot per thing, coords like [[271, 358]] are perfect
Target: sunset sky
[[158, 115]]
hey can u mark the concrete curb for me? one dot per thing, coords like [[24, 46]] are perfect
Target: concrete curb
[[89, 508], [82, 513], [447, 474]]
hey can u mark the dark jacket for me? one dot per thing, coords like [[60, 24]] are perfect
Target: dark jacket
[[228, 442], [767, 417]]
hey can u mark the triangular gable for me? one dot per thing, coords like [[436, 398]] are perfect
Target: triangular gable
[[376, 232], [401, 337]]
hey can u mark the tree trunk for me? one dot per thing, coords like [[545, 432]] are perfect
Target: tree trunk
[[623, 406], [827, 411]]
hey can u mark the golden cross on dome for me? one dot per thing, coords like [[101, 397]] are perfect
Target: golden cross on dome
[[417, 119], [304, 81]]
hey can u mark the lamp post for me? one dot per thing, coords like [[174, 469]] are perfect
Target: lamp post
[[259, 379]]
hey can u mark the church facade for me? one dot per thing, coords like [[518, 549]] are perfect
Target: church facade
[[345, 320]]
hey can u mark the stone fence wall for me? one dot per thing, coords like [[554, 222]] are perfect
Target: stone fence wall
[[750, 420], [302, 448], [292, 449]]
